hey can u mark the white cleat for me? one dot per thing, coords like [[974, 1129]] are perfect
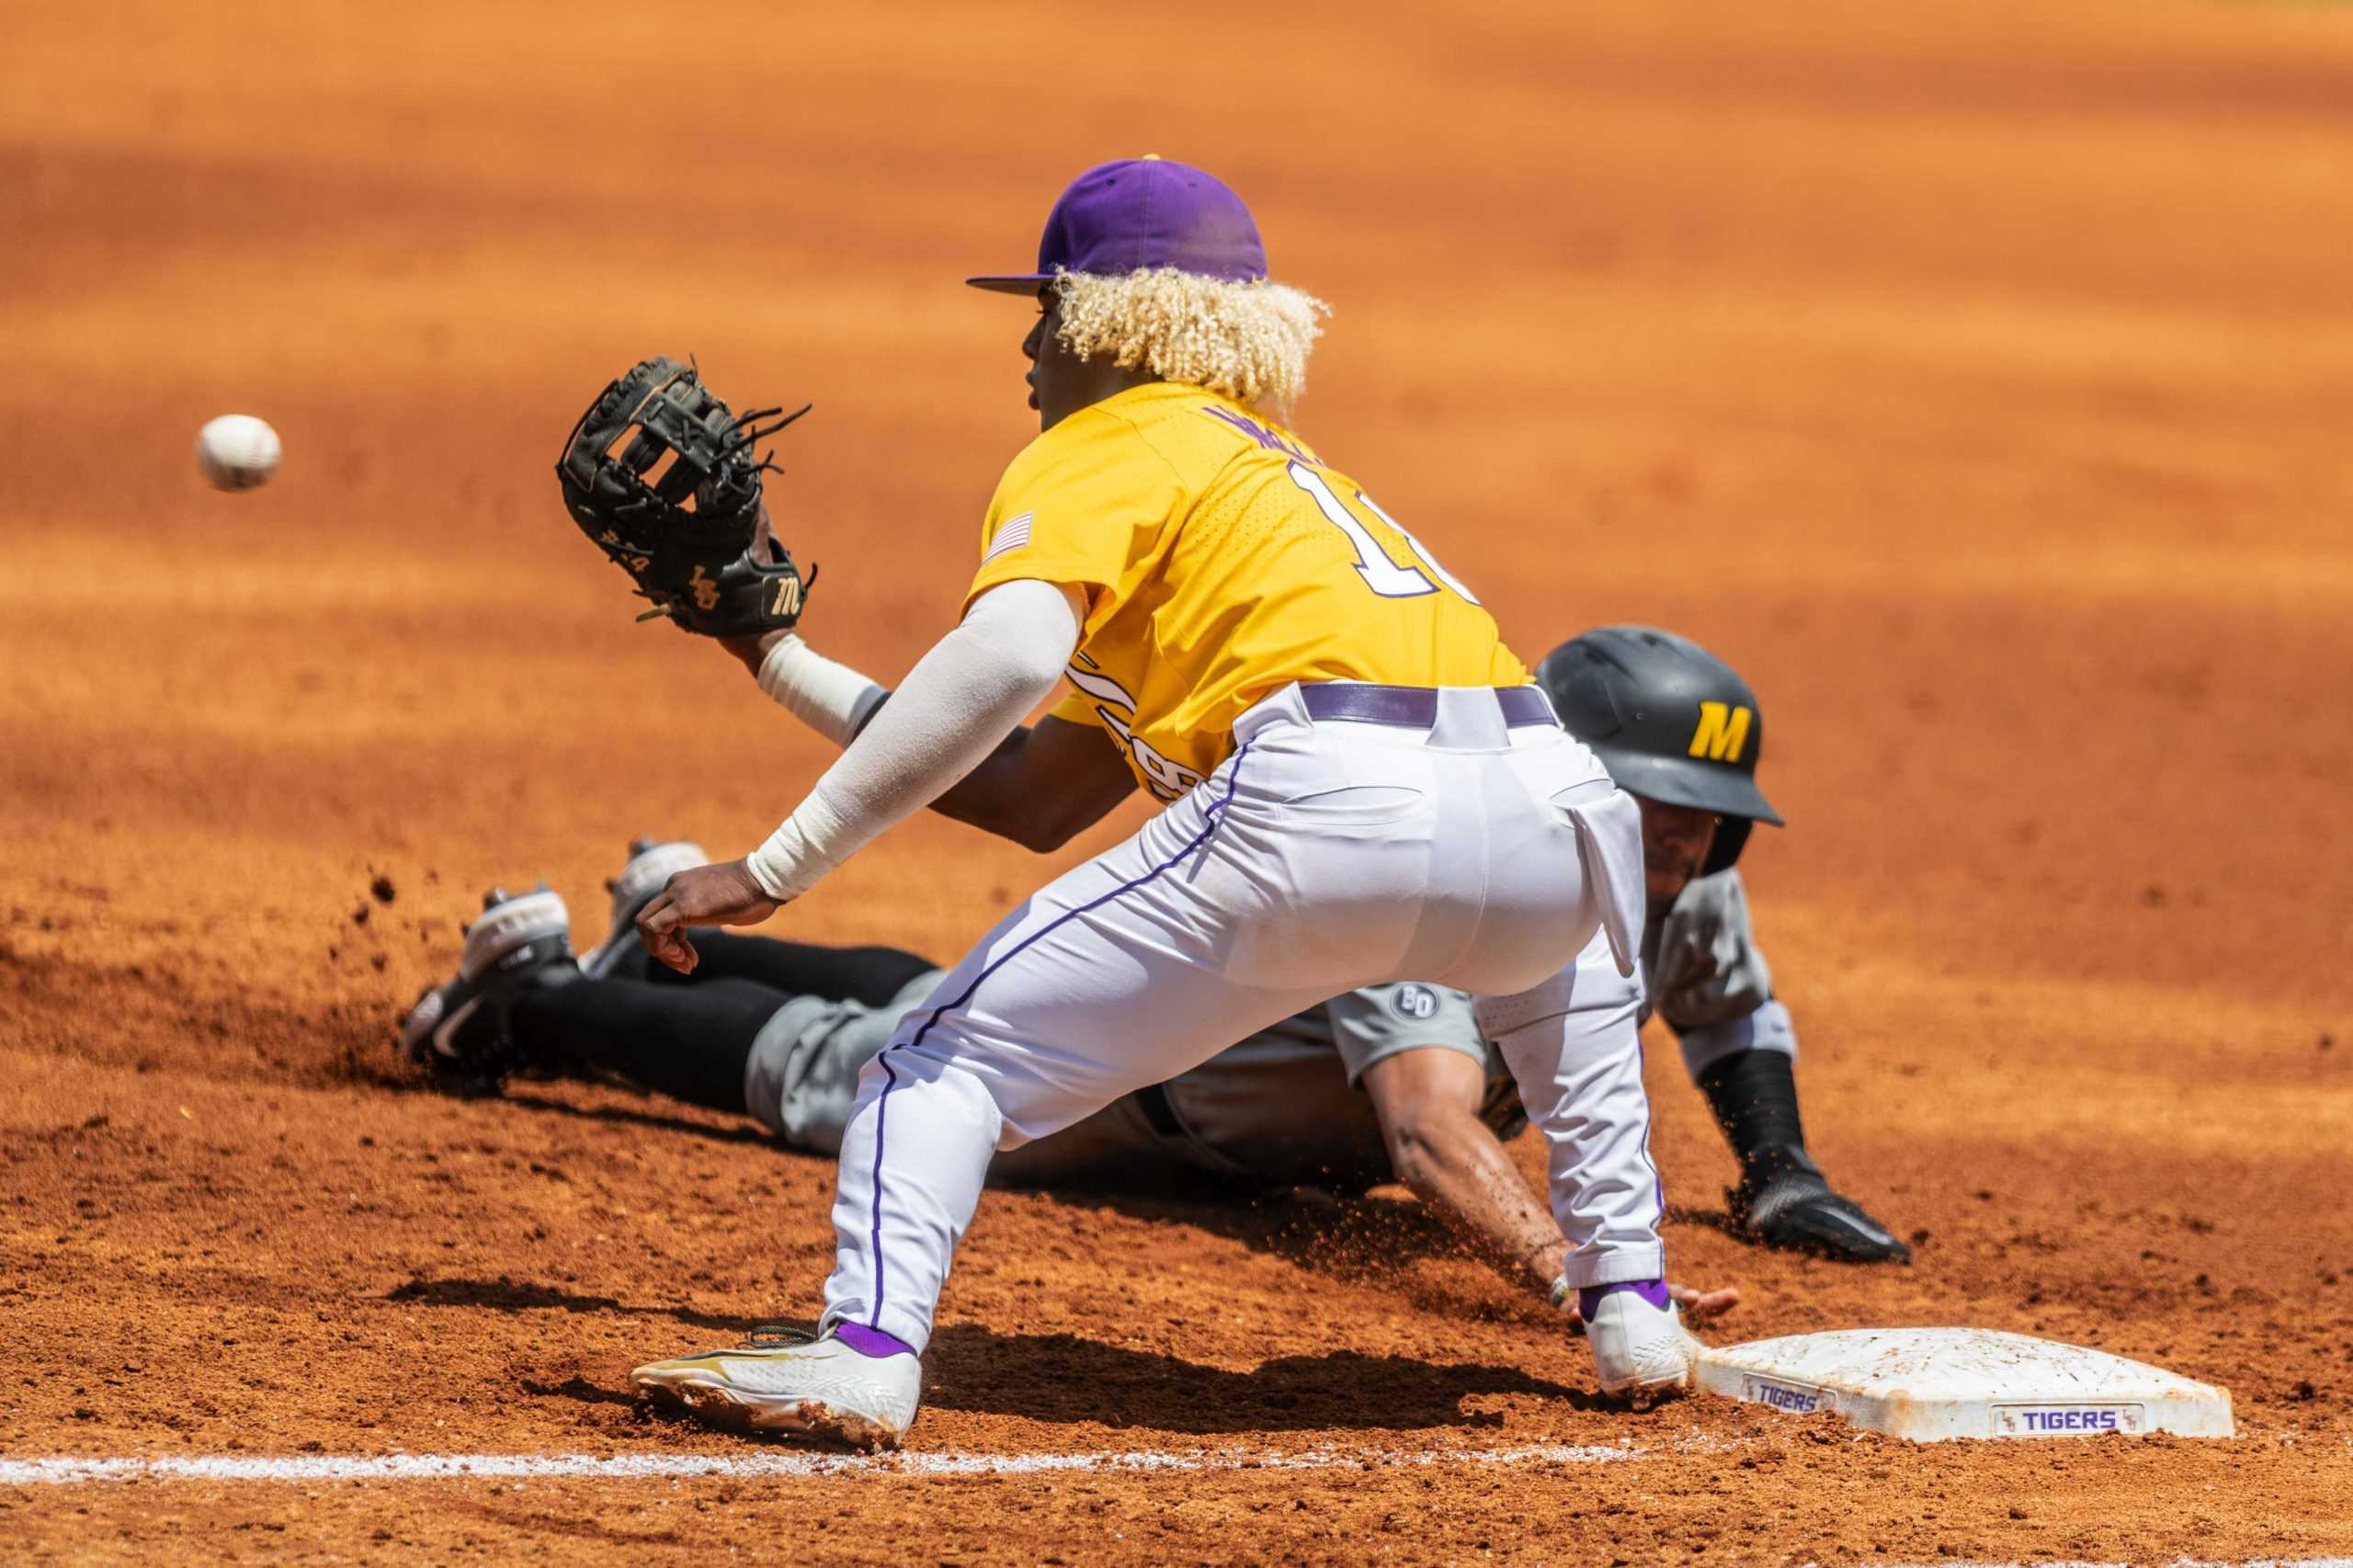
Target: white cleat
[[1643, 1354], [819, 1388], [650, 866]]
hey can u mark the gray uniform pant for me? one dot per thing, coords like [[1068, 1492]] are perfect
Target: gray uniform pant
[[1270, 1111]]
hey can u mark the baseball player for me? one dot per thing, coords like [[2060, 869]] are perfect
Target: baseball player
[[1681, 731], [1676, 727], [1389, 1082], [1358, 785]]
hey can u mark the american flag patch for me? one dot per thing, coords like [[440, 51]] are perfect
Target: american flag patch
[[1011, 535]]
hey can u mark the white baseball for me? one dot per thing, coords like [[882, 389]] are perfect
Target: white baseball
[[237, 452]]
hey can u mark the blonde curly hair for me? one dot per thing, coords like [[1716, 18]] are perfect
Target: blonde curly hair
[[1248, 341]]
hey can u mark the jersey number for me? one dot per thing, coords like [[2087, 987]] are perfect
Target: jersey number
[[1383, 575]]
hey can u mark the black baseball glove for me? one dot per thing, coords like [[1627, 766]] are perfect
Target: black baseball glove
[[661, 475]]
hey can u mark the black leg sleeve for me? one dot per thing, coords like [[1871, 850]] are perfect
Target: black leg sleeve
[[871, 975], [690, 1042]]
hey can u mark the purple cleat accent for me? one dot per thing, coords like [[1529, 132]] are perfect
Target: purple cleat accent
[[1651, 1290], [872, 1341]]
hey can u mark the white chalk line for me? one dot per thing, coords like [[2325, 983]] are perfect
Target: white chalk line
[[67, 1470]]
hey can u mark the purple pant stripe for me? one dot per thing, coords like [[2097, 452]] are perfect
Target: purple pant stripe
[[1658, 1183], [891, 1079], [881, 1111]]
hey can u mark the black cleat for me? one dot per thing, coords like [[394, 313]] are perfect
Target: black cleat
[[1796, 1211], [458, 1032]]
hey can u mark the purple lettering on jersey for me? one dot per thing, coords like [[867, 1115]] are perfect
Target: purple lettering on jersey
[[1256, 432]]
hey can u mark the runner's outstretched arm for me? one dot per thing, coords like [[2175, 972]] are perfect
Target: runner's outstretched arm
[[1427, 1103]]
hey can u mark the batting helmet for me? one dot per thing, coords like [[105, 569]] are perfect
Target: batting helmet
[[1670, 720]]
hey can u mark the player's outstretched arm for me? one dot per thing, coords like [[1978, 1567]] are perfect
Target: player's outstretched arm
[[959, 704], [1042, 786], [1427, 1102]]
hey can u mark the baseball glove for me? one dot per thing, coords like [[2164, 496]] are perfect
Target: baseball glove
[[661, 475]]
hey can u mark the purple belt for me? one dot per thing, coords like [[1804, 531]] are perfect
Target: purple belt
[[1415, 707]]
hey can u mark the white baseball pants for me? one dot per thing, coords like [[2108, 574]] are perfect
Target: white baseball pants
[[1322, 855], [1573, 1045]]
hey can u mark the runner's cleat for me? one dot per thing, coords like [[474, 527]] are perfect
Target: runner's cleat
[[1796, 1211], [651, 864], [782, 1382], [457, 1030]]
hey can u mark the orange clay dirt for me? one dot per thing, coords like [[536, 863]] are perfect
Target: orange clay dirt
[[1973, 375]]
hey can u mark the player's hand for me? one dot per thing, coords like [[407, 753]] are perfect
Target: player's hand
[[1700, 1305], [724, 894], [751, 648]]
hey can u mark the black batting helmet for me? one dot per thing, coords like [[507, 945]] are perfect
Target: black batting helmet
[[1670, 720]]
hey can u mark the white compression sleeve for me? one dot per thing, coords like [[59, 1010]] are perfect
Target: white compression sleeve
[[827, 696], [959, 702]]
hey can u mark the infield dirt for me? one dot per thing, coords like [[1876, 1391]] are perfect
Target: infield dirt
[[1973, 376]]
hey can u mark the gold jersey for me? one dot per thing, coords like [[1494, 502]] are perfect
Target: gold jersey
[[1220, 560]]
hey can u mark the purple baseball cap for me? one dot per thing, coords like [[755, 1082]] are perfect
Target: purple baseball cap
[[1142, 212]]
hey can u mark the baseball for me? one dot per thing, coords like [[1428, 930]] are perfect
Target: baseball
[[237, 452]]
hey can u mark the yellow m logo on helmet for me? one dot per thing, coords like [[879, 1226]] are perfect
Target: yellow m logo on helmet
[[1723, 733]]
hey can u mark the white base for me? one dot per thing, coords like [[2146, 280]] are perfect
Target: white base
[[1931, 1384]]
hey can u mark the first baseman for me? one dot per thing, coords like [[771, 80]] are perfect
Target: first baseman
[[1359, 782]]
